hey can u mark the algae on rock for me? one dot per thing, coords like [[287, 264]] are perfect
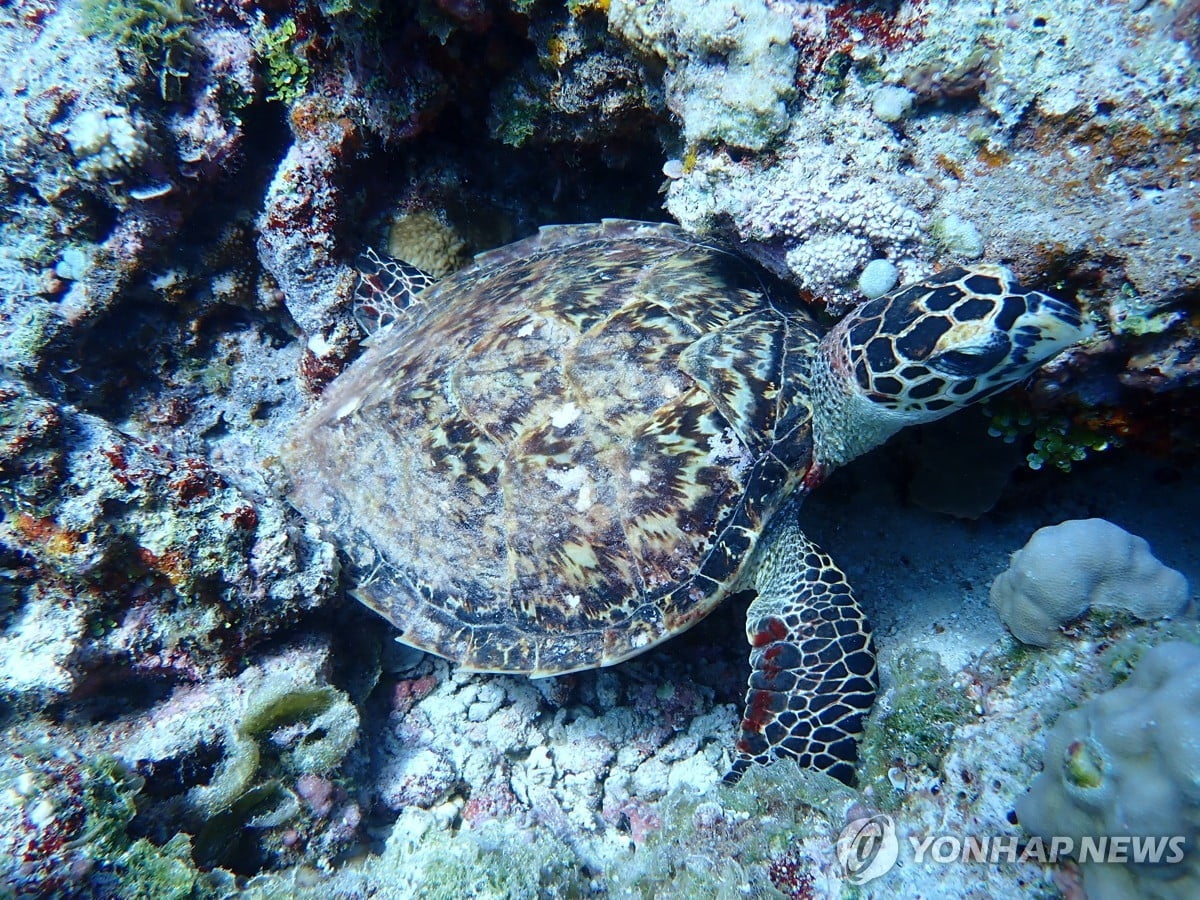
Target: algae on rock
[[730, 64]]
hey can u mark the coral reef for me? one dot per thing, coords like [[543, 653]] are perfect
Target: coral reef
[[915, 731], [91, 176], [270, 738], [157, 31], [136, 555], [729, 65], [580, 85], [162, 802], [566, 769], [683, 848], [1080, 565], [73, 815], [1032, 164], [1125, 767]]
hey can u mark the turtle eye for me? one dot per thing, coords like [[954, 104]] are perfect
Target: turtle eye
[[971, 361]]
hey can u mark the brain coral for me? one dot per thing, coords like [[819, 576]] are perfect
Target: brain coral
[[1126, 765], [1067, 569]]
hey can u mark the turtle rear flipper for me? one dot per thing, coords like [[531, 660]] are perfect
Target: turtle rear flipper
[[813, 676], [386, 287]]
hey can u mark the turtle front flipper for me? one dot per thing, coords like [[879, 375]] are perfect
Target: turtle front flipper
[[386, 287], [812, 662]]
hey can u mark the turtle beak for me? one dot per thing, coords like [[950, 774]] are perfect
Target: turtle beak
[[1063, 315], [1054, 324]]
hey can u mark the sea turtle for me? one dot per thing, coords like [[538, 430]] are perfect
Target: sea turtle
[[577, 446]]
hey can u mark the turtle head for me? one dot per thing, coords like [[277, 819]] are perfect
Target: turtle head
[[922, 352]]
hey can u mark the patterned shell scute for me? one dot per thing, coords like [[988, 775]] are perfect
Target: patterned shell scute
[[567, 452]]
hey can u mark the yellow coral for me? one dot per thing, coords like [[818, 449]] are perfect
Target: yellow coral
[[424, 240]]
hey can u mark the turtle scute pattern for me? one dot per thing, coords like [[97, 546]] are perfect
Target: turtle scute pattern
[[385, 288], [566, 452]]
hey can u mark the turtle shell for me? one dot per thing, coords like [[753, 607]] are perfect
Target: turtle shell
[[566, 452]]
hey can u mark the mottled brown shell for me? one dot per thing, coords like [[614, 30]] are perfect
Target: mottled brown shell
[[567, 451]]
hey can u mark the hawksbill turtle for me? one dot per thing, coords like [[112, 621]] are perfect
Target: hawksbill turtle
[[577, 446]]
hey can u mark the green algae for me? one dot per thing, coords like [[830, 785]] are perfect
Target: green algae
[[156, 32], [924, 709]]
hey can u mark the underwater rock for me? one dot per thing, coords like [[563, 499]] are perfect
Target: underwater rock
[[581, 85], [297, 246], [218, 773], [1032, 161], [248, 750], [729, 65], [144, 561], [956, 468], [97, 182], [281, 708], [1168, 362]]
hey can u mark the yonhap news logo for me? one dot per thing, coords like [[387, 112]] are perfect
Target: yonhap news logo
[[869, 848], [1116, 849]]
